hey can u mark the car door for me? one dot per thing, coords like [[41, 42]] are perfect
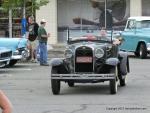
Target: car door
[[129, 35]]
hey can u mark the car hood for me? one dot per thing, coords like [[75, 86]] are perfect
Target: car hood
[[13, 43], [4, 49]]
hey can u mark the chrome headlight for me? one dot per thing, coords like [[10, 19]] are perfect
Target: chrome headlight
[[99, 52], [68, 53], [16, 52]]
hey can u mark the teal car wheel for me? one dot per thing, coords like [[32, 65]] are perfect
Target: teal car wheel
[[142, 51], [12, 62]]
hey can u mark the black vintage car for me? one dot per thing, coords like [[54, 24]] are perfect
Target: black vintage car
[[90, 58]]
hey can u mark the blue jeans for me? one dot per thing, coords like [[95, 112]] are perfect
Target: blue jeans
[[43, 52]]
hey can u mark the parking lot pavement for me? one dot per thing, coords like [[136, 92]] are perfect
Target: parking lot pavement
[[28, 87]]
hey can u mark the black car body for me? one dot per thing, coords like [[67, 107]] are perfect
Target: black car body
[[90, 59]]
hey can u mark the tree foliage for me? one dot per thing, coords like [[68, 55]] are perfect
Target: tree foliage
[[36, 4]]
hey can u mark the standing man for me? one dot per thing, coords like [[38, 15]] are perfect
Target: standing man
[[43, 37], [33, 33]]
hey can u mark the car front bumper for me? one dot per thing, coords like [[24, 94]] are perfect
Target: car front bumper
[[4, 62], [148, 47], [83, 76], [21, 56]]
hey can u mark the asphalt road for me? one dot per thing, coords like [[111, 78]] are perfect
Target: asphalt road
[[28, 87]]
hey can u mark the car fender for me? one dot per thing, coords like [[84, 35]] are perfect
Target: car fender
[[56, 62], [112, 61], [60, 65]]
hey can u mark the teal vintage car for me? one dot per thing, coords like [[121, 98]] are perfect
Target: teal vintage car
[[137, 36], [18, 46], [5, 56]]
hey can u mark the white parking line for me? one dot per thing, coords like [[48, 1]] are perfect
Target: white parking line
[[15, 69], [5, 75]]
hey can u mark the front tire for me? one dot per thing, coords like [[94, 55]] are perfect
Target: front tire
[[12, 62], [113, 83], [122, 78], [142, 51], [123, 81], [71, 84], [55, 84]]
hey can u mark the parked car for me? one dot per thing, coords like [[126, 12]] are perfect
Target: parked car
[[5, 56], [137, 36], [18, 47], [89, 58]]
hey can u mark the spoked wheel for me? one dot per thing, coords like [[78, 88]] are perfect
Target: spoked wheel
[[55, 84], [71, 84], [113, 83]]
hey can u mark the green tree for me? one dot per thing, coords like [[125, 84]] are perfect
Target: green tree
[[25, 5], [34, 4]]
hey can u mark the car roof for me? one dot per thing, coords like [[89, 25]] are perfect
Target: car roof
[[139, 18]]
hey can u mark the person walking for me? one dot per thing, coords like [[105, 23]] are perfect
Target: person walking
[[33, 33], [5, 104], [43, 37]]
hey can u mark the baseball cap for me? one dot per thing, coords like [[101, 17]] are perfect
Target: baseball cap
[[43, 20]]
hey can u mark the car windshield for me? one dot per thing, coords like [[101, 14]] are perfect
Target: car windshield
[[143, 24], [76, 35]]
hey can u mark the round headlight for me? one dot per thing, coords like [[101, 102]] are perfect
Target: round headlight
[[99, 53], [68, 53], [16, 52]]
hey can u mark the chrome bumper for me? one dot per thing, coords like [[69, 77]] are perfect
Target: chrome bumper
[[16, 57], [21, 56], [83, 76], [148, 49], [4, 62]]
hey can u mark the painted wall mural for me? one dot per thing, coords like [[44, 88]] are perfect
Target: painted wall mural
[[91, 14]]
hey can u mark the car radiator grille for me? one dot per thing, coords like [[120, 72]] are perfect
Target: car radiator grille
[[85, 64], [5, 55]]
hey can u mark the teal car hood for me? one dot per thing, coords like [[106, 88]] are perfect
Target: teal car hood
[[4, 49], [13, 43]]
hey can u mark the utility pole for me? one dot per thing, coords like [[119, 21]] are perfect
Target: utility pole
[[10, 22], [24, 8], [24, 21], [105, 13]]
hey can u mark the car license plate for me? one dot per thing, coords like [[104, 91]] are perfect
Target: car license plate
[[84, 59]]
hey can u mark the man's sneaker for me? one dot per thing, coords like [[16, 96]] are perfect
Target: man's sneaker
[[34, 61]]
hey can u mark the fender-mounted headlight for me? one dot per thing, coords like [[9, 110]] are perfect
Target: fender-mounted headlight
[[16, 52], [68, 53], [99, 52]]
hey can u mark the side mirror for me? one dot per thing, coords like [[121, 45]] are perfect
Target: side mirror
[[118, 41]]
